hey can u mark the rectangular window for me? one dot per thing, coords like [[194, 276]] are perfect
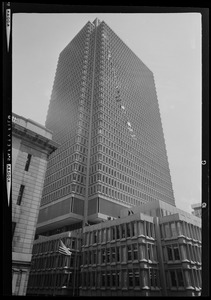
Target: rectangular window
[[113, 254], [123, 256], [136, 277], [151, 277], [154, 249], [162, 231], [155, 278], [180, 278], [104, 235], [13, 228], [118, 278], [135, 251], [113, 233], [129, 252], [28, 160], [93, 278], [118, 253], [123, 231], [176, 253], [124, 278], [108, 279], [173, 279], [95, 237], [130, 278], [103, 256], [20, 195], [108, 255], [117, 232], [113, 278], [169, 253], [94, 257], [148, 233], [128, 229], [88, 279]]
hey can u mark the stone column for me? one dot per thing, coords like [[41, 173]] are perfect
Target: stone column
[[21, 291], [14, 279]]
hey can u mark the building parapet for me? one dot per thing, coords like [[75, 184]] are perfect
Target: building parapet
[[31, 131]]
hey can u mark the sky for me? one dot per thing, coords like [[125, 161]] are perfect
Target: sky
[[169, 44]]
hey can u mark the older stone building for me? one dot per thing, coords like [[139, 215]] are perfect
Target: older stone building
[[142, 253], [54, 274], [152, 250], [31, 145]]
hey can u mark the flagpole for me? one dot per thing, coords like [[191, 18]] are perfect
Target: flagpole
[[68, 252], [75, 273]]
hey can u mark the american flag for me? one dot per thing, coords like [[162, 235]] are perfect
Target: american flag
[[63, 249]]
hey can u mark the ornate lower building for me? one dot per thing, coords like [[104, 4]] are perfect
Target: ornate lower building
[[150, 250], [31, 146], [54, 274], [118, 257]]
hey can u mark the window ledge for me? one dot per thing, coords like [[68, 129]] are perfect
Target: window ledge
[[190, 288], [112, 241], [150, 238], [145, 288], [185, 260], [143, 260]]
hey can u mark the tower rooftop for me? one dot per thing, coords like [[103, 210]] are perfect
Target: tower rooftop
[[96, 22]]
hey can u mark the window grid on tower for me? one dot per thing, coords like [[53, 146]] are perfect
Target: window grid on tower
[[126, 163]]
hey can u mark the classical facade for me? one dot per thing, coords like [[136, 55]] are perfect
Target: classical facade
[[31, 145], [151, 250], [54, 274], [105, 114]]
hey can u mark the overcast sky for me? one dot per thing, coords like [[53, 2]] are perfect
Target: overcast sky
[[169, 44]]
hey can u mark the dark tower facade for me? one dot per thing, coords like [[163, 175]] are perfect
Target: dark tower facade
[[104, 113]]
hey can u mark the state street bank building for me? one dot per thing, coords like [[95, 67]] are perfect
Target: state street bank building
[[105, 114]]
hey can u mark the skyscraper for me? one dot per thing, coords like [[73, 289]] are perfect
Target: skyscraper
[[105, 114]]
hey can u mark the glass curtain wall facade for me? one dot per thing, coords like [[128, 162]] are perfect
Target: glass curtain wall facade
[[105, 114]]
